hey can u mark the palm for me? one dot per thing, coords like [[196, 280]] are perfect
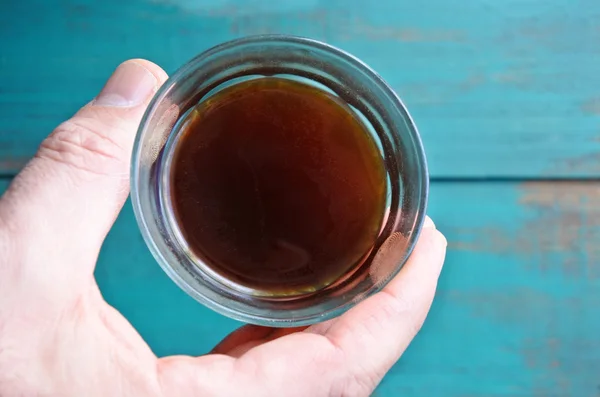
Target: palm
[[252, 361], [347, 356]]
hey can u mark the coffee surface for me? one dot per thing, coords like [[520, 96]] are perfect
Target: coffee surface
[[277, 186]]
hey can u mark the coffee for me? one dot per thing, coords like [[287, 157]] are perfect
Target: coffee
[[277, 186]]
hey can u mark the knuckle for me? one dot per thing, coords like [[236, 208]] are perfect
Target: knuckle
[[348, 380], [85, 144], [399, 305], [396, 304], [443, 241]]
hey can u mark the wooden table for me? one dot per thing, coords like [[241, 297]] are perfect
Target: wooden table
[[507, 97]]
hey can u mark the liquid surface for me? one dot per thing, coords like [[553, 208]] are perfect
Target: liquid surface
[[277, 186]]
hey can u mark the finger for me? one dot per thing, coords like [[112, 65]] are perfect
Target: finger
[[60, 207], [374, 334], [241, 336], [249, 336], [296, 365]]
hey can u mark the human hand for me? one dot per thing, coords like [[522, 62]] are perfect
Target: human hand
[[58, 337]]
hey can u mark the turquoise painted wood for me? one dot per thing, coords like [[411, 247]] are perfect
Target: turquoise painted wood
[[516, 313], [503, 89], [498, 88]]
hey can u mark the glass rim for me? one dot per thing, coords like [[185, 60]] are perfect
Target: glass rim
[[141, 214]]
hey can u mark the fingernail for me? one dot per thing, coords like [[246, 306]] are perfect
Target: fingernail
[[130, 85], [428, 223]]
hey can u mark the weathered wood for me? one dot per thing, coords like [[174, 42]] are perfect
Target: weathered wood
[[517, 308], [505, 88]]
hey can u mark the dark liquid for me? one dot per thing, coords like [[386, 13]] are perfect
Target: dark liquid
[[277, 186]]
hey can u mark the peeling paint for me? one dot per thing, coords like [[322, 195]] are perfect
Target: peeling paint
[[518, 77], [586, 164], [567, 222], [502, 305], [232, 8], [563, 222], [552, 33], [339, 26], [416, 35], [591, 106], [473, 81], [13, 165]]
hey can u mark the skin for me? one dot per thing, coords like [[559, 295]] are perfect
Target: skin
[[58, 337]]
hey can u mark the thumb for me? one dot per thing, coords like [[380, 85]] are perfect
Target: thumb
[[66, 199]]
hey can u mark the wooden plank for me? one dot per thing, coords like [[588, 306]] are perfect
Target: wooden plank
[[517, 308], [507, 88]]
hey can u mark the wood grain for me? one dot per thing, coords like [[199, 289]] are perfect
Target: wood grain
[[516, 312], [517, 308], [498, 88]]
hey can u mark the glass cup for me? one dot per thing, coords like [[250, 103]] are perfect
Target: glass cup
[[320, 65]]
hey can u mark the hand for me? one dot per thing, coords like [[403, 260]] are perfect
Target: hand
[[58, 337]]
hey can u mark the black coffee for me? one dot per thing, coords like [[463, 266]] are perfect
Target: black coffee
[[278, 186]]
